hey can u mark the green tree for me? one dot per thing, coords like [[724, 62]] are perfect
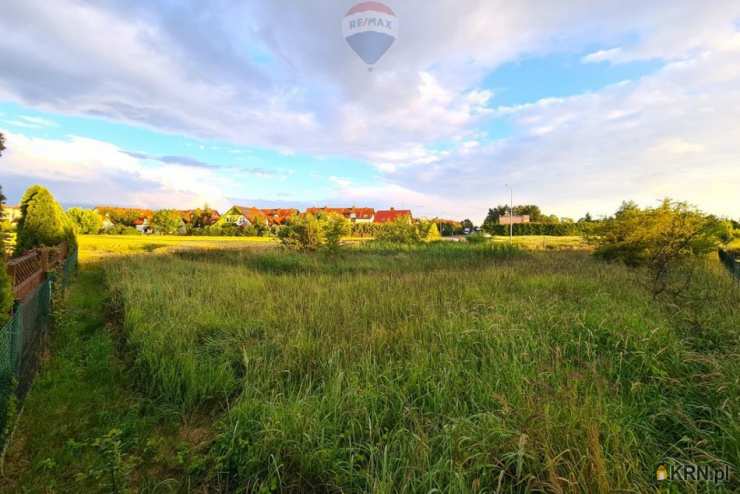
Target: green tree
[[335, 227], [6, 289], [586, 219], [303, 232], [398, 231], [42, 221], [428, 230], [658, 238], [86, 221], [467, 225], [530, 210], [166, 222], [492, 218]]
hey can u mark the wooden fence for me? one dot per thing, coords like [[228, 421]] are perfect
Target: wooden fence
[[29, 270]]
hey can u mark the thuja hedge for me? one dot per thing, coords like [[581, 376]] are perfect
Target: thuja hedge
[[555, 229]]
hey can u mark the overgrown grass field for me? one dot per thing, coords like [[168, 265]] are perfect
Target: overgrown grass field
[[94, 247], [439, 368]]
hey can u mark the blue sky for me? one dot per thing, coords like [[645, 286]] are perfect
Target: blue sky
[[578, 107]]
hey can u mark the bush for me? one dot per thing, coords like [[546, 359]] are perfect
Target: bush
[[335, 227], [167, 222], [658, 238], [303, 232], [398, 231], [6, 289], [551, 229], [477, 238], [42, 222], [122, 230], [428, 230], [86, 221]]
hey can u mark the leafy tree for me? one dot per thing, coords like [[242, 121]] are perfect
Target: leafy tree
[[467, 225], [492, 218], [550, 219], [124, 216], [658, 238], [428, 230], [86, 221], [6, 289], [304, 232], [586, 219], [399, 231], [335, 227], [530, 210], [202, 218], [166, 222], [42, 221]]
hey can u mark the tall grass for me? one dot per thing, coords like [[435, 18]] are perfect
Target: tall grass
[[455, 368]]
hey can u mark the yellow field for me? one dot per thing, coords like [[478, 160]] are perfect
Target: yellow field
[[545, 242], [92, 247]]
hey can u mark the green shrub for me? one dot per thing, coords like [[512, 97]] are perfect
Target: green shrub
[[335, 227], [428, 230], [658, 238], [304, 232], [399, 231], [86, 221], [477, 238], [42, 222], [551, 229], [123, 230], [167, 222], [6, 289]]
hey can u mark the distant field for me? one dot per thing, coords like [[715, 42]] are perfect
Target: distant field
[[99, 246], [544, 242], [448, 367]]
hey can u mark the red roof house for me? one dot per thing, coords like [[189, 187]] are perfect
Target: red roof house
[[358, 215], [392, 215]]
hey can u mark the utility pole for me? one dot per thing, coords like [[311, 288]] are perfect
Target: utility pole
[[511, 214]]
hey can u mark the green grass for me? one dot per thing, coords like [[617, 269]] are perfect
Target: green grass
[[95, 247], [83, 428], [544, 242], [447, 366]]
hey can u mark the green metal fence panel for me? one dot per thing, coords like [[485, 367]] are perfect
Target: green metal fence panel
[[731, 262], [22, 336], [7, 339]]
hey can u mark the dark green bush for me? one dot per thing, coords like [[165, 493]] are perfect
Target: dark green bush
[[551, 229], [42, 222]]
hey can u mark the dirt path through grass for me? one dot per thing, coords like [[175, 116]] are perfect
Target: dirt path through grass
[[82, 429]]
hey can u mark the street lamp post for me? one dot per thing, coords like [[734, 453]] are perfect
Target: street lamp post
[[511, 214]]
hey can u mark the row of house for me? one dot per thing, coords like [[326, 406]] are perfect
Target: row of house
[[242, 216]]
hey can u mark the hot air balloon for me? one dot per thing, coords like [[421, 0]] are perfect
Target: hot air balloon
[[370, 29]]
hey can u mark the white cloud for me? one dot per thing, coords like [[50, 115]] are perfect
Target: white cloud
[[340, 181], [192, 71], [671, 134], [108, 174]]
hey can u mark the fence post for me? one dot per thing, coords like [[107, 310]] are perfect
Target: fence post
[[11, 274], [44, 256]]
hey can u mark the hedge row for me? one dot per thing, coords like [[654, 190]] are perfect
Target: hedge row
[[554, 229]]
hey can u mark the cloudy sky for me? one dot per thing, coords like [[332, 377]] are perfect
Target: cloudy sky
[[577, 104]]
